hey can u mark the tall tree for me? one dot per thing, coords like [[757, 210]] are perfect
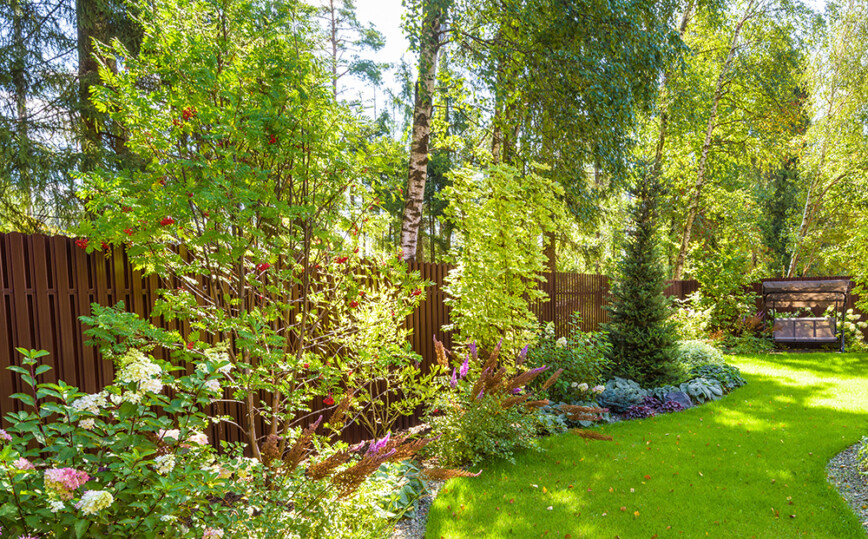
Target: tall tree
[[750, 10], [429, 39], [346, 39], [36, 95], [641, 335]]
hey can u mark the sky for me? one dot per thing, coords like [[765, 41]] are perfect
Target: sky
[[386, 16]]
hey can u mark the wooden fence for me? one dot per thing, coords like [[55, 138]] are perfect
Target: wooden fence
[[47, 283]]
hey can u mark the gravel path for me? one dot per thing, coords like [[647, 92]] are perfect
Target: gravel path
[[843, 472], [414, 528]]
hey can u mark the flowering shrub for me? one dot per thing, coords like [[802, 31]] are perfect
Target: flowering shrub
[[582, 356], [131, 461], [485, 409], [108, 464]]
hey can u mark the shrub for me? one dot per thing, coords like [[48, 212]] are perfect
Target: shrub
[[582, 356], [728, 375], [691, 322], [499, 215], [620, 394], [107, 464], [853, 327], [485, 409], [724, 277], [694, 353], [747, 344], [641, 334]]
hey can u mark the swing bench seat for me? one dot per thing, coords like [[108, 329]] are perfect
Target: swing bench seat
[[805, 330], [811, 294]]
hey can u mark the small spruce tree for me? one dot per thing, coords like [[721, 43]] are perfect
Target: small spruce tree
[[642, 337]]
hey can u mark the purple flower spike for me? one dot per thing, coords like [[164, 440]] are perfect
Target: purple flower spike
[[464, 368], [522, 355], [454, 381], [481, 391], [315, 424], [377, 446], [473, 351], [516, 391]]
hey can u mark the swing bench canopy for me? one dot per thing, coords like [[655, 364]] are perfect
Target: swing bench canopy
[[807, 294]]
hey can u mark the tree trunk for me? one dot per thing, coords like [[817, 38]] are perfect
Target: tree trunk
[[19, 80], [693, 206], [423, 108], [89, 24], [668, 76], [333, 39]]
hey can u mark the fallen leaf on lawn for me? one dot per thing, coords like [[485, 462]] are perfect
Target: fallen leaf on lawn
[[635, 513]]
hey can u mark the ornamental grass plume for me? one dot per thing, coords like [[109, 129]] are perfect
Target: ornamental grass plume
[[582, 413], [444, 474], [512, 401], [324, 468], [552, 379], [441, 353], [300, 448], [591, 435]]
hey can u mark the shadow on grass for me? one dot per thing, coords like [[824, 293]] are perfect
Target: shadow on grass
[[751, 464]]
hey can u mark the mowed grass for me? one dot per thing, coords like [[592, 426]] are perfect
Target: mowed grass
[[749, 465]]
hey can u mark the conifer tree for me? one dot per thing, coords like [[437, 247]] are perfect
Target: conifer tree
[[642, 337]]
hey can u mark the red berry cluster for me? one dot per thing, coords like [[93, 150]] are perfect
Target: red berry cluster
[[167, 221]]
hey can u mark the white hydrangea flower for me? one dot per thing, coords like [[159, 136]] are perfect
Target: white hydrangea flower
[[168, 518], [171, 433], [89, 403], [562, 342], [599, 389], [164, 464], [93, 501], [219, 356], [86, 424], [213, 386], [56, 505], [153, 385], [133, 397], [583, 386], [139, 369], [199, 438]]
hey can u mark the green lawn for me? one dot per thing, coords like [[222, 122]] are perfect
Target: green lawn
[[749, 465]]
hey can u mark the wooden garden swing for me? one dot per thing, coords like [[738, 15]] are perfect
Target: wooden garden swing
[[813, 295]]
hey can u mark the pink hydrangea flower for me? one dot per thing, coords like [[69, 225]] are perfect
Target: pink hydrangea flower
[[23, 464], [64, 480], [5, 436]]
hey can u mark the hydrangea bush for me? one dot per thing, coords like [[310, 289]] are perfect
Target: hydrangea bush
[[582, 356], [127, 461]]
